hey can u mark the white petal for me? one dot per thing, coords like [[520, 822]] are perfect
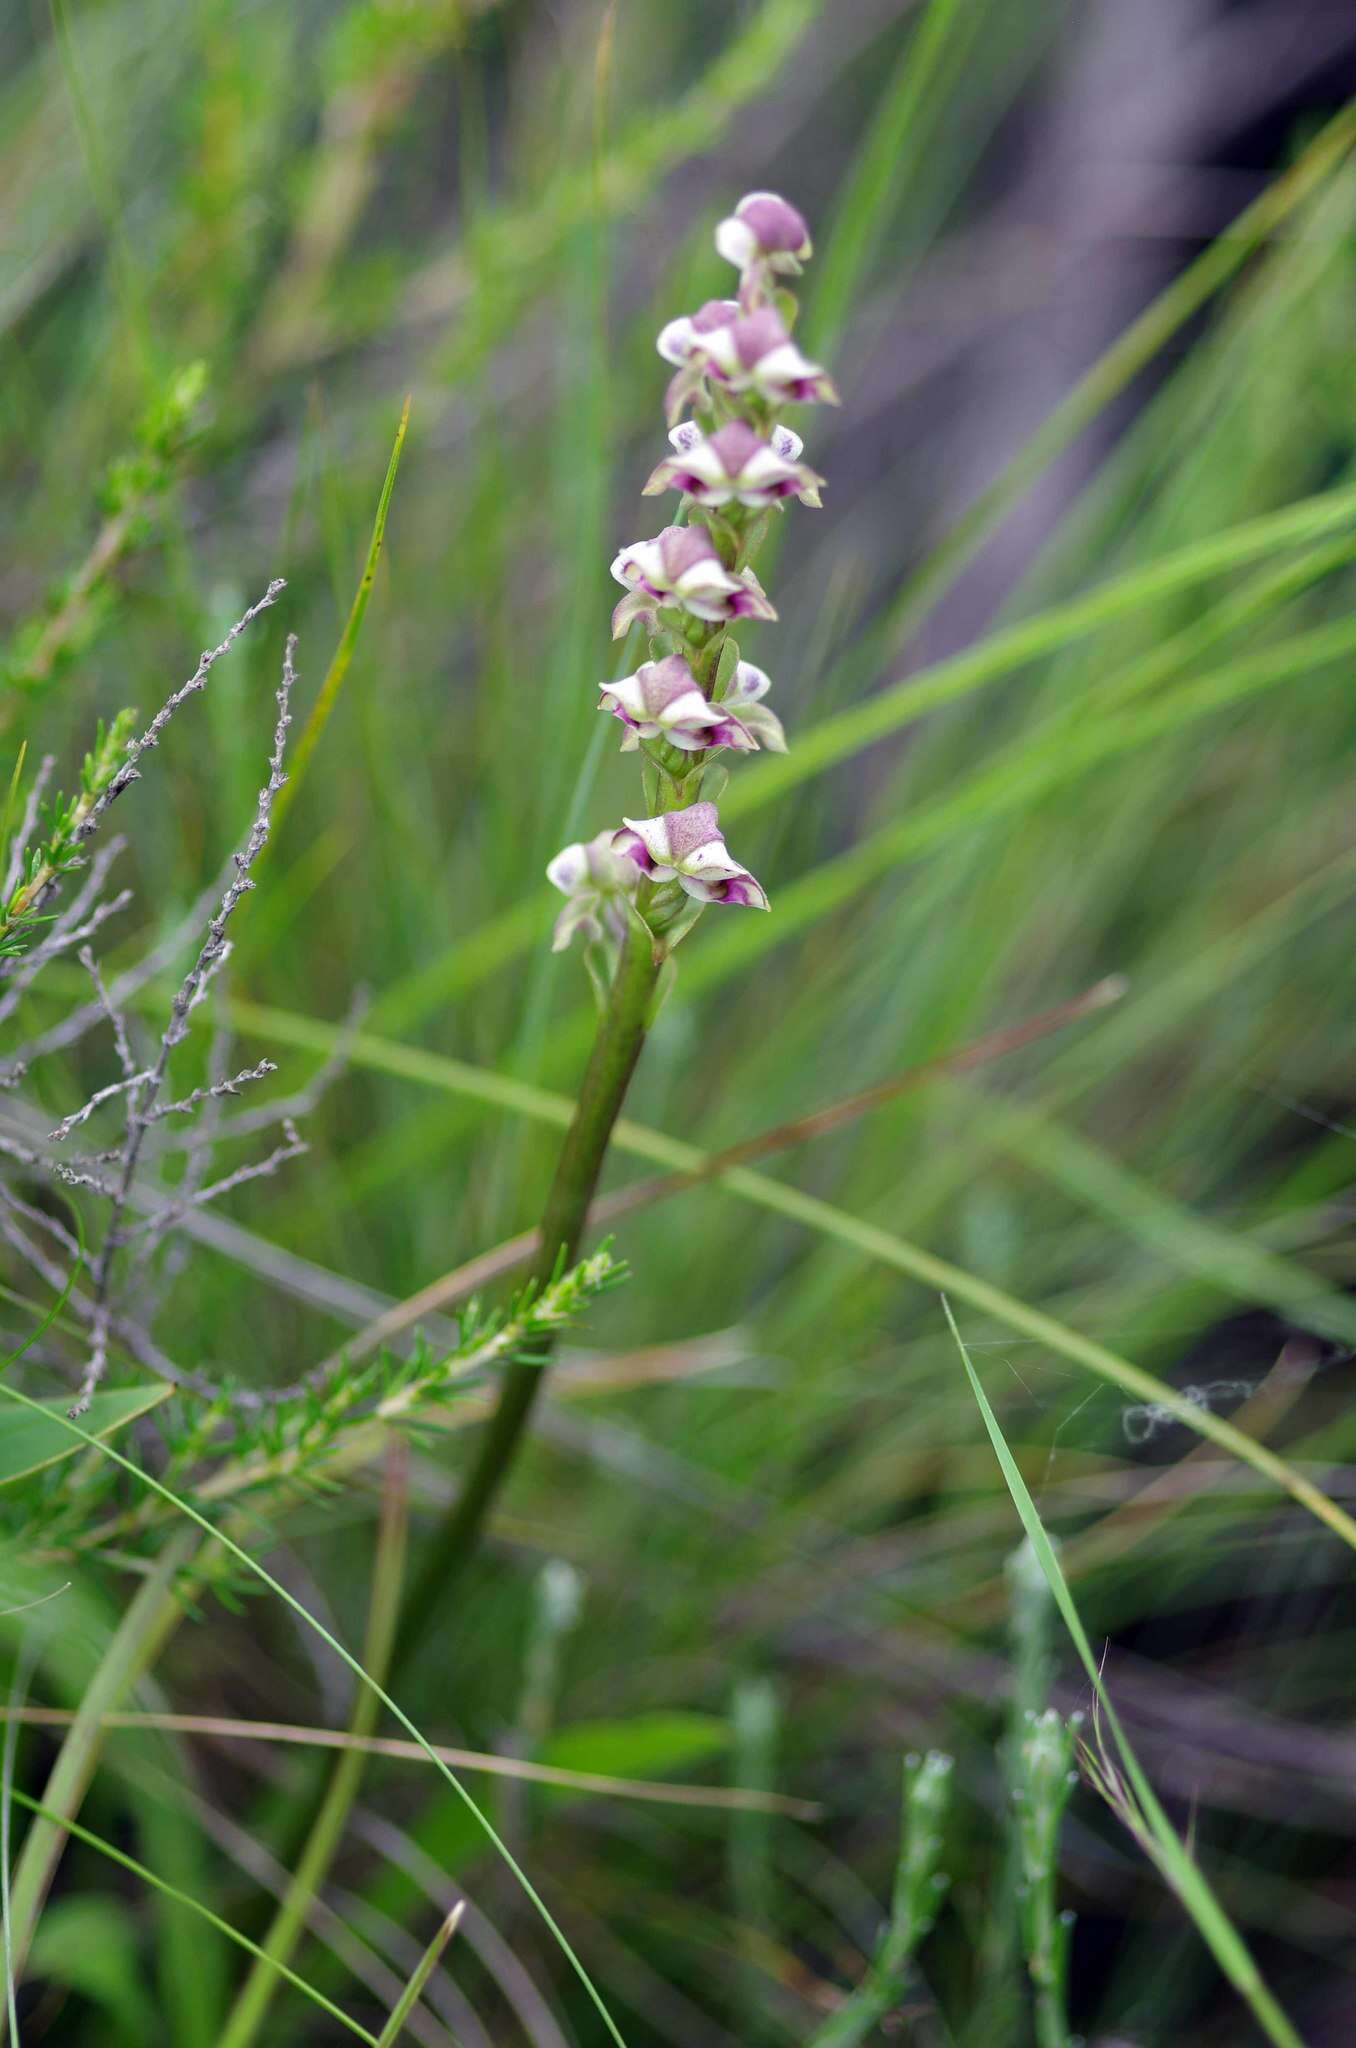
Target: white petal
[[711, 860], [747, 684], [642, 562], [629, 693], [677, 341], [736, 242], [784, 366], [718, 348], [705, 576], [694, 885], [689, 709], [653, 834], [701, 460], [764, 468], [787, 444], [685, 437], [570, 869]]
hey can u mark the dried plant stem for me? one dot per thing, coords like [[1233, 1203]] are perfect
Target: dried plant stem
[[621, 1034]]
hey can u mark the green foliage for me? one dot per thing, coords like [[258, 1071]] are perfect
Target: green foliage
[[1121, 748], [129, 496], [89, 1945], [293, 1445], [30, 1442], [64, 822], [919, 1885]]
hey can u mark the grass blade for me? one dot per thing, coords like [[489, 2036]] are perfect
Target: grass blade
[[181, 1898], [1218, 1931], [423, 1970], [309, 737], [346, 1656]]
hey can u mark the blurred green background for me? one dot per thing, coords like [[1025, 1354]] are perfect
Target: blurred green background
[[760, 1458]]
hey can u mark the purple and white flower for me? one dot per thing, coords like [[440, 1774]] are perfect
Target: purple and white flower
[[736, 463], [596, 878], [678, 341], [742, 698], [686, 846], [741, 352], [680, 566], [664, 701], [764, 231]]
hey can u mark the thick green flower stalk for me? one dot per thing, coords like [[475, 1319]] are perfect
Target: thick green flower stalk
[[635, 891]]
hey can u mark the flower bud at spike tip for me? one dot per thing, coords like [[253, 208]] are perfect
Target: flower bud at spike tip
[[764, 229]]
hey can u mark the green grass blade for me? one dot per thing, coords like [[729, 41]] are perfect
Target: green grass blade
[[1218, 1931], [893, 709], [308, 1620], [327, 1828], [147, 1623], [186, 1899], [311, 732], [888, 159], [488, 949], [423, 1970], [1136, 348], [546, 1106]]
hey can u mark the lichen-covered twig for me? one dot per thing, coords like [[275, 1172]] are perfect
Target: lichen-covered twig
[[143, 1088]]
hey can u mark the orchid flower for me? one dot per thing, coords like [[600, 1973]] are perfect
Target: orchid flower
[[681, 566], [735, 464], [740, 352], [687, 847], [764, 231], [596, 880], [664, 701]]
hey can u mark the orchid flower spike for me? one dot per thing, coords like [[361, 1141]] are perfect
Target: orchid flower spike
[[736, 463], [736, 369], [596, 879], [664, 701], [740, 352], [681, 566], [764, 233], [686, 846]]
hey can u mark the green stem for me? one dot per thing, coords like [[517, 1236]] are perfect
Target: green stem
[[256, 1993], [616, 1049], [424, 1969], [138, 1640]]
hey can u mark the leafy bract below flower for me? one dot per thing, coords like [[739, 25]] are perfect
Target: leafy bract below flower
[[686, 846], [764, 229], [664, 701], [735, 462], [741, 352], [596, 878], [680, 566]]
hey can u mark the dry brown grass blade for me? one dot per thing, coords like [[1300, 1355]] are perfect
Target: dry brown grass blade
[[514, 1252], [662, 1792]]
